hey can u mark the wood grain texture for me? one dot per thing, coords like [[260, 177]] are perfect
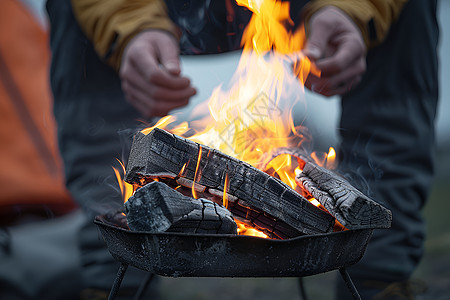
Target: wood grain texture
[[156, 207], [348, 205], [352, 208], [164, 155]]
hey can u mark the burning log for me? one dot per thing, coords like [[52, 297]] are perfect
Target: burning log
[[348, 205], [164, 155], [352, 208], [156, 207]]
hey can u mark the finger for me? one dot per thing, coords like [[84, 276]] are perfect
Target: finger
[[311, 81], [155, 76], [168, 53], [328, 89], [319, 35], [155, 92], [343, 88], [161, 94], [345, 55], [152, 107], [161, 109], [164, 79], [169, 95], [329, 83], [143, 59]]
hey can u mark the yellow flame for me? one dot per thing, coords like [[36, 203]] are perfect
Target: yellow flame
[[283, 167], [254, 116], [196, 175], [244, 229], [182, 170], [162, 123], [319, 158], [314, 201], [126, 189], [331, 159]]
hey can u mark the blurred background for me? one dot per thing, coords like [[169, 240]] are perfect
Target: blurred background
[[207, 73]]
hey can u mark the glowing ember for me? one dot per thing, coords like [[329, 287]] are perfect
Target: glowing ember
[[244, 229], [314, 202]]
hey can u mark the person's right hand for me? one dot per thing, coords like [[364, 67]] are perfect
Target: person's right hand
[[150, 74]]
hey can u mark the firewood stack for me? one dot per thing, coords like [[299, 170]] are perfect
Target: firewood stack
[[184, 168]]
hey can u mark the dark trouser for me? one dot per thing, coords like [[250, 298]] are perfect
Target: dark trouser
[[387, 139], [90, 111]]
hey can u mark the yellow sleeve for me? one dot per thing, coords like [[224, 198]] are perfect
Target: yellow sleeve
[[111, 24], [373, 17]]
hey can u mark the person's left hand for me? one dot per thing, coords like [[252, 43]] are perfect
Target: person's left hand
[[336, 46]]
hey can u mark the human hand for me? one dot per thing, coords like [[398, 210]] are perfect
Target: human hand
[[150, 74], [337, 48]]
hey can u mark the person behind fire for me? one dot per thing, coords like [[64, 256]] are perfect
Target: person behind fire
[[380, 55]]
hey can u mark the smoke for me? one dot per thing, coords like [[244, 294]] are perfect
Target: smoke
[[357, 166]]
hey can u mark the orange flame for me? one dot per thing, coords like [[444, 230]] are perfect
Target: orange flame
[[182, 170], [254, 116], [244, 229], [125, 188], [196, 177], [331, 159], [225, 191], [162, 123]]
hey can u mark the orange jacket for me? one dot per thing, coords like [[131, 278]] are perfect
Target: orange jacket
[[31, 177]]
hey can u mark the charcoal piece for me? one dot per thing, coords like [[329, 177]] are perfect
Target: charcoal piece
[[156, 207], [161, 154], [352, 208]]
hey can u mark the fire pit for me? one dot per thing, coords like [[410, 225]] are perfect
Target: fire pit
[[304, 238], [221, 255], [314, 219]]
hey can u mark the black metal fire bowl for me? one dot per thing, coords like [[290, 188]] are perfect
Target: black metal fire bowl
[[224, 255]]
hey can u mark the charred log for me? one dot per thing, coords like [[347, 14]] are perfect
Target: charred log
[[156, 207], [352, 208], [272, 227], [348, 205], [164, 155]]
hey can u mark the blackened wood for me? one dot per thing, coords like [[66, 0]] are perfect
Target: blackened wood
[[162, 154], [352, 208], [156, 207], [274, 228]]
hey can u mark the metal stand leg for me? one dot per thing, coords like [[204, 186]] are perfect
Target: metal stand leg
[[301, 288], [143, 287], [118, 281], [349, 283]]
